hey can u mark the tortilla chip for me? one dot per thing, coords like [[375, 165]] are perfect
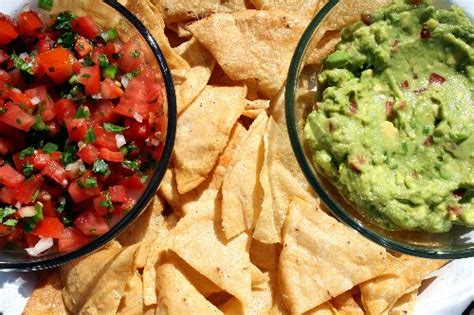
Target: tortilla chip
[[404, 275], [47, 298], [132, 300], [281, 179], [405, 305], [178, 295], [180, 29], [225, 264], [184, 10], [264, 255], [153, 20], [317, 265], [80, 277], [189, 83], [105, 296], [252, 44], [241, 190], [258, 277], [345, 304], [203, 132], [305, 7], [325, 46], [255, 108]]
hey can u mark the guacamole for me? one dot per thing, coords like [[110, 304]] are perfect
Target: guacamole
[[394, 125]]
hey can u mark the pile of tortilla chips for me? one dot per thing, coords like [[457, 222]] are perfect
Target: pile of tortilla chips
[[234, 228]]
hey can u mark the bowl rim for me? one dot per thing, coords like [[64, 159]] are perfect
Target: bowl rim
[[157, 176], [347, 219]]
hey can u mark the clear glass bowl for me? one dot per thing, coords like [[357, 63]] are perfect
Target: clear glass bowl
[[300, 97], [131, 27]]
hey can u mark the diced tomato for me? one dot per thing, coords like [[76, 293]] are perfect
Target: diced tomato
[[71, 239], [8, 195], [41, 160], [118, 193], [79, 194], [57, 63], [103, 112], [132, 182], [91, 224], [4, 56], [90, 78], [131, 57], [55, 171], [10, 177], [29, 23], [112, 48], [45, 105], [5, 76], [8, 30], [126, 206], [53, 127], [110, 156], [16, 96], [15, 233], [49, 227], [88, 154], [137, 131], [5, 146], [77, 129], [110, 90], [99, 208], [31, 239], [104, 138], [48, 208], [17, 118], [29, 187], [44, 45], [83, 46], [65, 110], [86, 27], [436, 79]]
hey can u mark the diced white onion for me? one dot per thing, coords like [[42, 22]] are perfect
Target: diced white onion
[[35, 100], [24, 56], [75, 167], [18, 205], [43, 245], [137, 116], [64, 183], [125, 81], [45, 196], [120, 140], [98, 96], [27, 212]]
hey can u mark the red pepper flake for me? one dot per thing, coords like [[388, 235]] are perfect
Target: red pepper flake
[[436, 79], [420, 91], [353, 107], [356, 165], [428, 141], [405, 85], [416, 3], [389, 110], [367, 19], [425, 33]]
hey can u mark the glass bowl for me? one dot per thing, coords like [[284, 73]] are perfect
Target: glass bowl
[[301, 93], [131, 27]]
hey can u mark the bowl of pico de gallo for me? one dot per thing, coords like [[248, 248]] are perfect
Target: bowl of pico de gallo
[[87, 125]]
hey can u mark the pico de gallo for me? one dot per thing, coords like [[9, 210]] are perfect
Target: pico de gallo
[[82, 125]]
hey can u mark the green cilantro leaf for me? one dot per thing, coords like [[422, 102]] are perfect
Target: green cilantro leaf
[[114, 128], [100, 167]]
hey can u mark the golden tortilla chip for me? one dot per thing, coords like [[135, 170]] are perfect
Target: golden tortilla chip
[[47, 298], [281, 179], [303, 7], [203, 132], [324, 47], [105, 296], [258, 277], [241, 190], [255, 108], [180, 29], [264, 255], [252, 44], [132, 299], [189, 83], [345, 304], [184, 10], [404, 275], [80, 277], [153, 20], [321, 258], [224, 263], [178, 295], [405, 305]]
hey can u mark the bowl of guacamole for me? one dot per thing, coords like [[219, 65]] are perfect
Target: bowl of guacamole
[[382, 122]]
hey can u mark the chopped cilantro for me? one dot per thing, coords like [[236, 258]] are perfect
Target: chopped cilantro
[[90, 182], [21, 64], [67, 40], [114, 128], [5, 212], [10, 222], [132, 74], [46, 4], [109, 35], [90, 136], [26, 152], [3, 110], [107, 202], [29, 224], [86, 75], [50, 147], [87, 62], [103, 61], [63, 21], [135, 54], [100, 167], [69, 155], [39, 124], [82, 112], [132, 165], [28, 170]]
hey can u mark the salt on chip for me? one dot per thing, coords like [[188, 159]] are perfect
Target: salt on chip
[[253, 108], [184, 10], [241, 190], [322, 258], [80, 277], [203, 132], [190, 82], [405, 305], [132, 299], [404, 275], [47, 297], [178, 295], [252, 44], [306, 7], [264, 255], [281, 179], [199, 243], [105, 296]]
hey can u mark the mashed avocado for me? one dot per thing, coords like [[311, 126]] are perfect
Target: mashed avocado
[[394, 128]]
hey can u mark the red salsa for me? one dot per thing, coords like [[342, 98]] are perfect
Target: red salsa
[[81, 125]]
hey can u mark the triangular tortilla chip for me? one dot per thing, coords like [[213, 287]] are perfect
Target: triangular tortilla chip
[[252, 44], [321, 258], [80, 277], [184, 10], [225, 264], [132, 299], [304, 7], [180, 28], [47, 298], [405, 305], [178, 295], [404, 275], [256, 107], [241, 190], [264, 255], [345, 304], [189, 83], [105, 296], [281, 179], [203, 132]]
